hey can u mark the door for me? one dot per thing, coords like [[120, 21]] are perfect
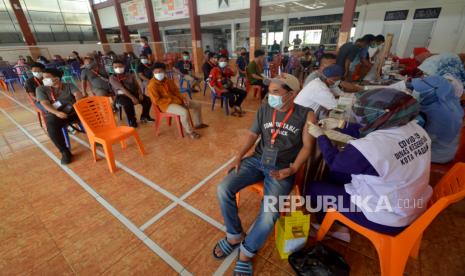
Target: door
[[395, 29], [420, 36]]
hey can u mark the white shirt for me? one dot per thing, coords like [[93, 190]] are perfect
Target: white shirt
[[316, 95]]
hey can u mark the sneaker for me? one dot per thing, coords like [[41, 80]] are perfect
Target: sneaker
[[147, 120], [133, 123], [201, 126], [337, 231], [66, 157]]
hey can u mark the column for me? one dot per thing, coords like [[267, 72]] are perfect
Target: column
[[347, 22], [233, 39], [28, 37], [285, 32], [255, 27], [123, 28], [101, 34], [197, 50], [157, 44]]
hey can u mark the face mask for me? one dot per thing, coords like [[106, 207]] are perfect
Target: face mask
[[119, 70], [186, 58], [243, 54], [275, 101], [144, 61], [47, 82], [222, 64], [142, 44], [37, 74], [159, 76]]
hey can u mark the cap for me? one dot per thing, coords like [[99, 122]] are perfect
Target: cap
[[285, 79], [333, 70]]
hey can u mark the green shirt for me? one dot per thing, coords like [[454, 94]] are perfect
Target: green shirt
[[253, 68]]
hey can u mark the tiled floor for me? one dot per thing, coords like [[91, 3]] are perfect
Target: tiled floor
[[158, 214]]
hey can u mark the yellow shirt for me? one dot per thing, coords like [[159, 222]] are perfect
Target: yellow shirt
[[163, 93]]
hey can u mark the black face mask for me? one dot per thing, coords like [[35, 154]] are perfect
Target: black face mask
[[243, 54]]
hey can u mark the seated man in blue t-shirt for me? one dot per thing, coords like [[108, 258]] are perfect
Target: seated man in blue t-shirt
[[185, 68]]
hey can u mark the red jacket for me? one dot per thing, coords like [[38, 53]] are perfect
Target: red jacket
[[217, 75]]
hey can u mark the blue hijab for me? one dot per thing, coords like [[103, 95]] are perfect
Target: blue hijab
[[443, 115]]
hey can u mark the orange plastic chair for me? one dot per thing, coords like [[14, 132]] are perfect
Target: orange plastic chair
[[393, 251], [97, 117], [160, 115], [258, 187], [256, 89]]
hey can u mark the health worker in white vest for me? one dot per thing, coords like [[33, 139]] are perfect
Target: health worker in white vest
[[382, 177]]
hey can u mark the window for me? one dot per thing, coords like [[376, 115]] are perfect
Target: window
[[99, 1], [313, 36]]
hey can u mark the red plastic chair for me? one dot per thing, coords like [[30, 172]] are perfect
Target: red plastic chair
[[160, 115]]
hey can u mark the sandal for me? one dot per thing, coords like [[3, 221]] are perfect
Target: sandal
[[225, 247], [243, 268]]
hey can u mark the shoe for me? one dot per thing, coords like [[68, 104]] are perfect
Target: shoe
[[147, 120], [66, 157], [201, 126], [133, 123]]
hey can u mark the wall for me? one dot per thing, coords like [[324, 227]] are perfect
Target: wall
[[447, 36], [211, 6]]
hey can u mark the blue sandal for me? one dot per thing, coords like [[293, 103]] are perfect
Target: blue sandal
[[225, 247], [243, 268]]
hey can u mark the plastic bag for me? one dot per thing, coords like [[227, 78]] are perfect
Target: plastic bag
[[318, 260]]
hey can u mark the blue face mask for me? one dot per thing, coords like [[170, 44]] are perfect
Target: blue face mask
[[275, 101]]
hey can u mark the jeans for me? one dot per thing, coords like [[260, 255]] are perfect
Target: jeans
[[54, 126], [251, 171], [128, 107]]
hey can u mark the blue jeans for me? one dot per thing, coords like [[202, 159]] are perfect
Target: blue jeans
[[250, 172]]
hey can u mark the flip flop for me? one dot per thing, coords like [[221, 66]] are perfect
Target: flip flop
[[243, 268], [225, 247]]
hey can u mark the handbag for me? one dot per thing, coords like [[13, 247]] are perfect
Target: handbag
[[318, 260]]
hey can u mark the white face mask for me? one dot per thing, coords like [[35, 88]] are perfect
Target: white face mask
[[159, 76], [222, 64], [37, 74], [142, 44], [144, 61], [47, 82], [119, 70]]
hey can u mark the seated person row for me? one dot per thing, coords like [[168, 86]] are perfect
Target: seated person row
[[185, 68], [166, 95], [220, 81], [129, 93], [57, 98], [319, 94], [378, 175], [284, 146], [33, 82], [97, 77], [255, 71]]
